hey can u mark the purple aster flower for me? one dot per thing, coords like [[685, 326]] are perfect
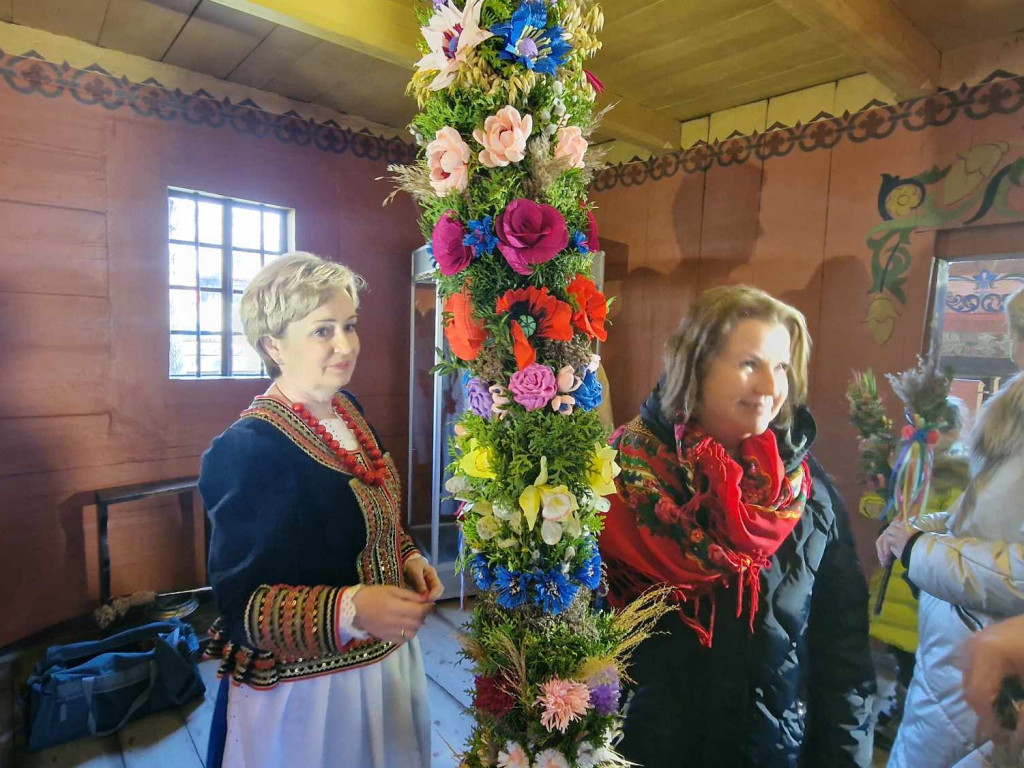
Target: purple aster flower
[[478, 393], [604, 698]]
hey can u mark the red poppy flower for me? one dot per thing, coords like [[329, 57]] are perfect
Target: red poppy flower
[[593, 309], [535, 313], [466, 334]]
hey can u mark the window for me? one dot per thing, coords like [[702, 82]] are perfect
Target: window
[[969, 331], [215, 247]]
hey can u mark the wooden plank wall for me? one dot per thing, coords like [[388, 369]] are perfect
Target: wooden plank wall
[[85, 401], [796, 226]]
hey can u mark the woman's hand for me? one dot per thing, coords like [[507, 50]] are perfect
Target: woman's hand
[[390, 613], [892, 542], [989, 656], [422, 577]]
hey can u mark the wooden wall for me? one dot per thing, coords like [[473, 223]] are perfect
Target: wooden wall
[[795, 225], [85, 401]]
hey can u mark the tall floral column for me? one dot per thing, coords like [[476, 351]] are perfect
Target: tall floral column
[[505, 111]]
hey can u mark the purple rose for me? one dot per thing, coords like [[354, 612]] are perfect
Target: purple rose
[[530, 233], [533, 387], [449, 252], [479, 395]]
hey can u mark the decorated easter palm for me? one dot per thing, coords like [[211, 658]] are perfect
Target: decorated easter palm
[[506, 109]]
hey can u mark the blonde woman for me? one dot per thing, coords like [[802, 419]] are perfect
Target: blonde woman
[[765, 662], [321, 592]]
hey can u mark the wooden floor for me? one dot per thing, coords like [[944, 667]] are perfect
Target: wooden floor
[[177, 739]]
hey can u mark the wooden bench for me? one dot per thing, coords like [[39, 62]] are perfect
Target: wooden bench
[[182, 487]]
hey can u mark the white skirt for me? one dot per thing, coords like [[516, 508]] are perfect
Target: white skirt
[[369, 717]]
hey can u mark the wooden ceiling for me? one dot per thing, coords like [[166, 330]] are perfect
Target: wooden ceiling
[[664, 61]]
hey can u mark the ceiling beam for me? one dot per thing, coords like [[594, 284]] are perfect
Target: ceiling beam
[[387, 29], [879, 36]]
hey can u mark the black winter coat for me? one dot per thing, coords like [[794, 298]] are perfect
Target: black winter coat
[[798, 691]]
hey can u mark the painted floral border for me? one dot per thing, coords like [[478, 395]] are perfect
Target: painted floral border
[[94, 86], [1001, 93]]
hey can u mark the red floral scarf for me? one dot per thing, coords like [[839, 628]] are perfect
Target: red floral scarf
[[697, 519]]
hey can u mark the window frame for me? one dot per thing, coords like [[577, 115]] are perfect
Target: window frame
[[226, 291]]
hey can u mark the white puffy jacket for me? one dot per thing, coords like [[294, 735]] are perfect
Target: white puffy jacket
[[970, 574]]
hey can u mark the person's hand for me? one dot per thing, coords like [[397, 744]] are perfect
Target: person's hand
[[422, 577], [988, 657], [892, 542], [390, 613]]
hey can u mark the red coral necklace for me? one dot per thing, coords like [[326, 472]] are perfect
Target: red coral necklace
[[350, 459]]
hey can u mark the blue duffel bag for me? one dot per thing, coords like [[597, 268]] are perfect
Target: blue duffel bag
[[94, 688]]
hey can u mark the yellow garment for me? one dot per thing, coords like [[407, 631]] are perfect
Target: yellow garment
[[897, 622]]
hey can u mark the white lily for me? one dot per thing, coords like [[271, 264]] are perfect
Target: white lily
[[451, 34]]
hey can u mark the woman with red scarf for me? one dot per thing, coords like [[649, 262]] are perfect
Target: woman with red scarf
[[765, 660]]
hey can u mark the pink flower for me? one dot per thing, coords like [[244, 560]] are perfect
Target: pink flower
[[533, 387], [530, 233], [513, 756], [504, 137], [571, 146], [451, 255], [596, 84], [447, 156], [564, 701], [563, 404], [568, 381], [550, 758]]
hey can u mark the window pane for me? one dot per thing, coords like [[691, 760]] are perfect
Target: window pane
[[272, 231], [210, 318], [183, 264], [183, 310], [236, 320], [211, 264], [244, 360], [184, 360], [209, 352], [181, 218], [245, 227], [211, 222], [269, 257], [244, 268]]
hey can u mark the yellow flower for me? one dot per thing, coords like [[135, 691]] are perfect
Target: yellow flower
[[477, 462], [603, 471], [530, 499]]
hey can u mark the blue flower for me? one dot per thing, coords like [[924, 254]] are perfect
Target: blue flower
[[589, 574], [552, 591], [590, 392], [512, 588], [579, 239], [528, 42], [482, 573], [481, 236]]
